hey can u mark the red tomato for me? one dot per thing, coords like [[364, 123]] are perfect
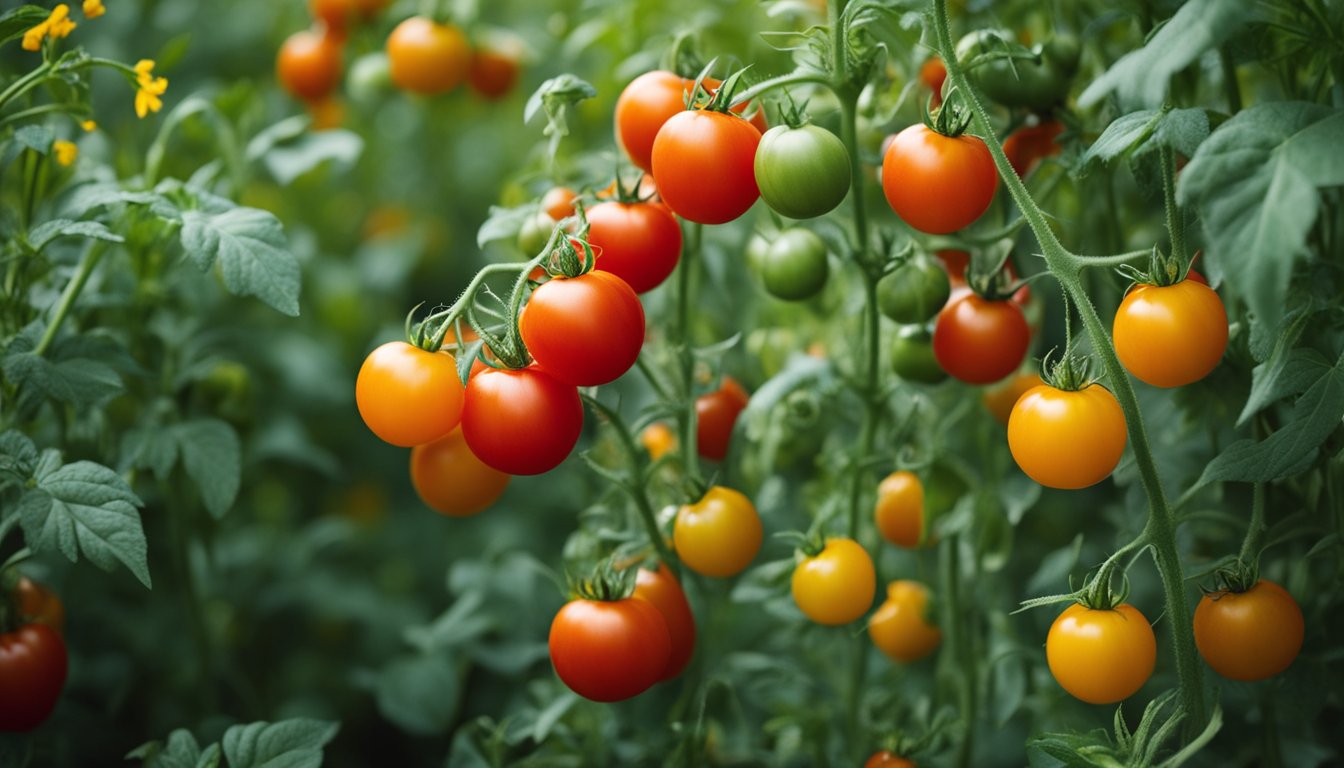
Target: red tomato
[[980, 341], [426, 57], [1030, 144], [885, 758], [936, 183], [521, 422], [493, 73], [38, 604], [716, 413], [704, 164], [662, 589], [609, 651], [408, 396], [451, 480], [584, 330], [335, 14], [646, 103], [309, 65], [33, 665], [640, 242]]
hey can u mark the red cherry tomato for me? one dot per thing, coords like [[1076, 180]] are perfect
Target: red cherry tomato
[[584, 330], [521, 422], [309, 65], [704, 164], [885, 758], [493, 73], [33, 666], [938, 184], [933, 74], [451, 480], [980, 341], [609, 651], [662, 589], [639, 242], [716, 413], [1031, 144], [646, 103]]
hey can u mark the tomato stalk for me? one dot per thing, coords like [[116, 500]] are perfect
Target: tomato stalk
[[963, 662], [690, 451], [1175, 217], [1255, 533], [1066, 267], [92, 255]]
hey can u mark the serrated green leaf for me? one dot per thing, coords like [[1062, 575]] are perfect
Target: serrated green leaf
[[419, 693], [1142, 77], [77, 380], [212, 456], [18, 455], [1282, 376], [87, 198], [85, 508], [1124, 133], [35, 137], [1255, 183], [180, 751], [44, 233], [294, 743], [250, 247]]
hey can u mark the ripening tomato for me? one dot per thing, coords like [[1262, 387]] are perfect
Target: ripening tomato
[[1065, 439], [1170, 336], [836, 585], [1101, 657], [451, 480], [704, 165], [662, 589], [716, 413], [336, 14], [938, 184], [658, 439], [646, 103], [426, 57], [1030, 144], [795, 266], [521, 422], [309, 65], [493, 72], [802, 172], [584, 330], [1001, 398], [558, 202], [38, 604], [639, 242], [719, 535], [912, 356], [900, 627], [408, 396], [933, 73], [33, 665], [914, 292], [899, 511], [609, 650], [886, 759], [980, 341], [1249, 635]]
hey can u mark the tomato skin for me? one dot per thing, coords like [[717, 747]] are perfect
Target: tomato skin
[[1101, 657], [1000, 399], [914, 292], [885, 759], [658, 439], [933, 73], [912, 356], [716, 412], [609, 651], [935, 183], [795, 266], [584, 330], [899, 511], [835, 586], [408, 396], [451, 480], [521, 422], [33, 666], [558, 202], [39, 604], [492, 73], [1065, 439], [308, 65], [1030, 144], [719, 535], [426, 57], [1170, 336], [1250, 635], [802, 172], [704, 165], [646, 103], [662, 589], [980, 341], [640, 242], [900, 627]]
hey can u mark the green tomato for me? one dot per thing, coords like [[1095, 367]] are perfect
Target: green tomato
[[912, 356], [369, 78], [795, 266], [1020, 82], [914, 292], [535, 233], [802, 172], [757, 247]]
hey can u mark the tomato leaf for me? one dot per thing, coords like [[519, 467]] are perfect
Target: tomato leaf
[[1287, 372], [294, 743], [419, 693], [557, 97], [288, 149], [73, 371], [1142, 77], [1255, 183], [84, 507], [212, 457], [180, 751], [250, 246], [18, 455], [1139, 133], [48, 231]]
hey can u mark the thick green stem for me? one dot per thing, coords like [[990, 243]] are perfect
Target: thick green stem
[[783, 81], [690, 257], [1255, 533], [86, 266], [1065, 266], [1175, 219]]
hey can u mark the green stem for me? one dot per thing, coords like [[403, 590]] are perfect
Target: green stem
[[24, 84], [1255, 533], [1112, 261], [952, 618], [1161, 525], [1175, 219], [92, 256], [783, 81], [42, 109], [683, 346]]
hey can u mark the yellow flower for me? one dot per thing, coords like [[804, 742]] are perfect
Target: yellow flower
[[148, 88], [66, 151], [88, 125], [93, 9], [55, 26]]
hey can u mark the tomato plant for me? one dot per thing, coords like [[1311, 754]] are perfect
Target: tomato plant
[[980, 341]]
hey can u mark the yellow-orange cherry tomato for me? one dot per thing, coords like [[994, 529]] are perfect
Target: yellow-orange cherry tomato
[[887, 759], [1101, 657], [408, 396], [1249, 635], [493, 72], [558, 202], [836, 585], [719, 535], [901, 628], [39, 604], [451, 480], [426, 57], [658, 439], [1170, 336], [309, 65], [899, 511], [1065, 439], [1000, 399]]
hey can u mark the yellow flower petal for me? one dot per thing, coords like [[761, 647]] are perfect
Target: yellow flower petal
[[66, 151], [32, 39], [59, 23], [93, 9], [143, 67], [88, 125]]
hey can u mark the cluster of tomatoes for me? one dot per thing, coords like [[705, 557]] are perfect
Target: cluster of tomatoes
[[422, 56], [33, 661]]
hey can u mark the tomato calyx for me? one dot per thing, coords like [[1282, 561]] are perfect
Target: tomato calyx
[[1071, 373], [607, 583], [1234, 578], [720, 99], [806, 545], [988, 276], [1163, 270], [951, 118]]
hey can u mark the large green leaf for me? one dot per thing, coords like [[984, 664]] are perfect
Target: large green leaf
[[1255, 184], [288, 744], [250, 246]]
